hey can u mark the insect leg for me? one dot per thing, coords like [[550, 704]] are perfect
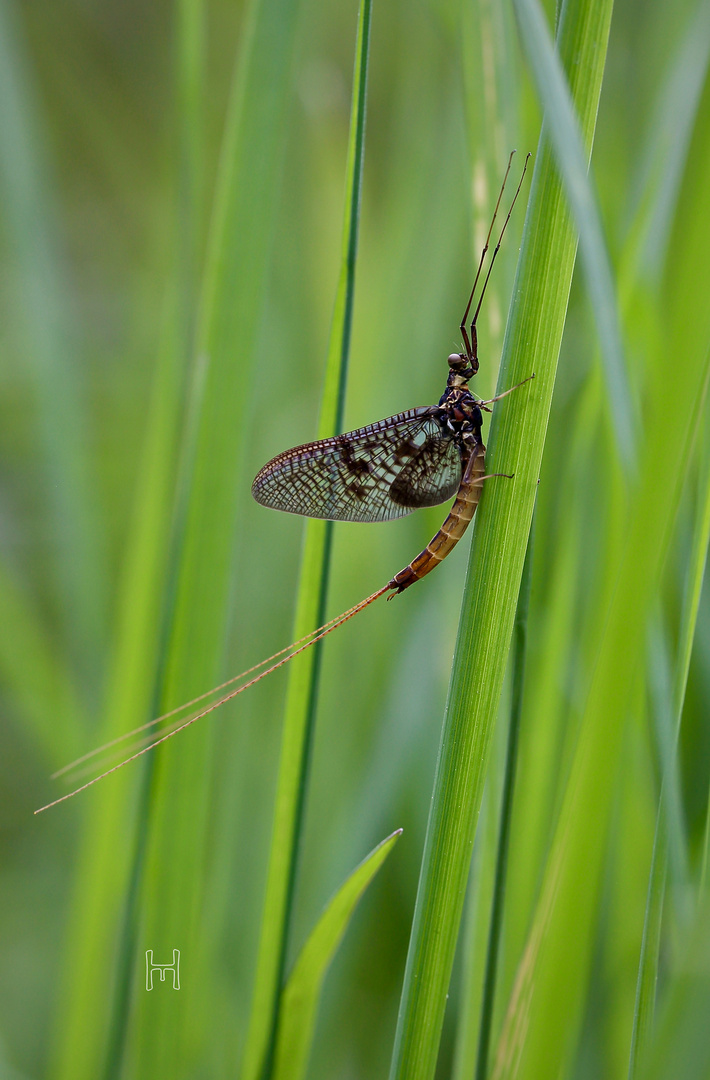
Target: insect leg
[[489, 401]]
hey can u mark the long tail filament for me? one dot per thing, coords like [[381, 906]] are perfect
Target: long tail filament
[[294, 649]]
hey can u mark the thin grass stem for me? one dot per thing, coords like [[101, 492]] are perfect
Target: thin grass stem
[[506, 814], [302, 695], [497, 555]]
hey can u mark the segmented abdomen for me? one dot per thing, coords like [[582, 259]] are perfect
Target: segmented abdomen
[[453, 528]]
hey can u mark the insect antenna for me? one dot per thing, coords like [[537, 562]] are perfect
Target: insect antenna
[[497, 247], [471, 345], [293, 650]]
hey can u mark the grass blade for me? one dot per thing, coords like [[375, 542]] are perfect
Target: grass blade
[[169, 1031], [39, 682], [301, 698], [498, 901], [552, 976], [650, 946], [40, 309], [545, 1007], [572, 160], [662, 164], [517, 437], [682, 1047], [104, 871], [302, 990]]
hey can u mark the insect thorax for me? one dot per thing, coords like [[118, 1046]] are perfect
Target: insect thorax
[[459, 413]]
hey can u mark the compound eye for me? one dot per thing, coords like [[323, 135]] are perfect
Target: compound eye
[[457, 360]]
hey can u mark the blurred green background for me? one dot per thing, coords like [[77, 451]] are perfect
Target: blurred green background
[[146, 225]]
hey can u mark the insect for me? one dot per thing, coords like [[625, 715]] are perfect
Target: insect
[[380, 472], [417, 458]]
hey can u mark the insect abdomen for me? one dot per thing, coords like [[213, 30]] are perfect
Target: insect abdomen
[[453, 528]]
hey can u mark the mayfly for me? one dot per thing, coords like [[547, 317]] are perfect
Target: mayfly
[[380, 472]]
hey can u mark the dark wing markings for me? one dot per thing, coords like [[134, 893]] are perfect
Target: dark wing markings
[[430, 477], [377, 473]]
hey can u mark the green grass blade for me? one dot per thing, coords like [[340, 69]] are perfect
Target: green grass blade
[[545, 1005], [302, 990], [299, 717], [568, 142], [189, 63], [545, 1008], [475, 931], [705, 482], [645, 1004], [189, 56], [122, 122], [650, 946], [681, 1047], [506, 810], [170, 1030], [120, 824], [106, 853], [662, 690], [706, 852], [40, 311], [39, 683], [664, 158], [497, 555], [695, 574]]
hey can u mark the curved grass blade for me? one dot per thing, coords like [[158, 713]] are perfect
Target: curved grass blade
[[302, 990], [681, 1047], [662, 164], [545, 1006], [39, 313], [552, 975], [517, 437], [302, 691], [644, 1009], [104, 873], [661, 680], [37, 680], [564, 132], [167, 1031], [506, 811]]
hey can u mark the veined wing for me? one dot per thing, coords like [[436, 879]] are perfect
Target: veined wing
[[376, 473]]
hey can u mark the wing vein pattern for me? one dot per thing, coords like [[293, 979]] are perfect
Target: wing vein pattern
[[376, 473]]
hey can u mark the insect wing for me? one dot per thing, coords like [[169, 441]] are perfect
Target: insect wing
[[377, 473]]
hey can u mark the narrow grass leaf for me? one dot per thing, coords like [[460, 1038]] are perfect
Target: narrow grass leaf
[[178, 343], [662, 683], [302, 990], [108, 844], [41, 311], [516, 444], [39, 683], [301, 700], [642, 1033], [681, 1046], [564, 132], [552, 974], [663, 160], [545, 1007], [506, 811], [170, 1032], [645, 1004]]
